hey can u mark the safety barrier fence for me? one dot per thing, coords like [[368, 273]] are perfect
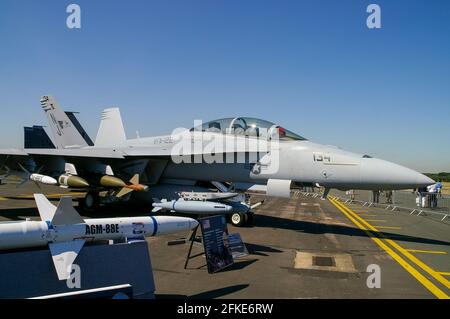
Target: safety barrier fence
[[430, 204]]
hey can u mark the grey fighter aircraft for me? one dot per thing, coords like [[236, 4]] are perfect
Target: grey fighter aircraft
[[210, 164]]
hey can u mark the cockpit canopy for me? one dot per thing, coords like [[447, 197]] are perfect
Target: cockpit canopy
[[251, 127]]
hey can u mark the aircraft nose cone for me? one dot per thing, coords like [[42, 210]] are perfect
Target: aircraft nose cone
[[423, 180], [387, 175]]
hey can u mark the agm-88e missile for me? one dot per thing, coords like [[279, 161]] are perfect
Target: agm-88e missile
[[65, 231], [193, 207]]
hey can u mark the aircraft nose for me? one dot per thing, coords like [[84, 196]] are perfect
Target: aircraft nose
[[387, 175]]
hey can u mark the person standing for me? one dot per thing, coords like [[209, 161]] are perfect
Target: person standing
[[389, 197], [376, 197]]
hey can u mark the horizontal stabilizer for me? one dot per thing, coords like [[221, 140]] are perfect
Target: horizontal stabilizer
[[64, 255], [36, 137]]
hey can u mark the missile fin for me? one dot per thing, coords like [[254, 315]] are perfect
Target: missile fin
[[64, 255], [135, 180], [46, 209], [66, 214], [124, 191], [156, 209]]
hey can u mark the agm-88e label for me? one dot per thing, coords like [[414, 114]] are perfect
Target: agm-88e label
[[102, 229]]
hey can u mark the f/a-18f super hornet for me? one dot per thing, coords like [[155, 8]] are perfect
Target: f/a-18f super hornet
[[200, 171]]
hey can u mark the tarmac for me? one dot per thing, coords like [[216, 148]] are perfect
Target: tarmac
[[301, 247]]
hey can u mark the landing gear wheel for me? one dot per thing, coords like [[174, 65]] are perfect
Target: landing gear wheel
[[238, 219], [249, 217], [90, 201]]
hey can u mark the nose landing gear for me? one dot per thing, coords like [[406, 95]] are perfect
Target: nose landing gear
[[242, 219]]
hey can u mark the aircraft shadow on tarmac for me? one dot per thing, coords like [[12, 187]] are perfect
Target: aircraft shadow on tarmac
[[260, 250], [264, 221], [212, 294]]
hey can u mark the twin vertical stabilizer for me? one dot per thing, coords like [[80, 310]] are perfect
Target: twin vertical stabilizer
[[111, 131], [65, 134]]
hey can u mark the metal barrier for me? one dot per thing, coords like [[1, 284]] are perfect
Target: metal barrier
[[416, 203]]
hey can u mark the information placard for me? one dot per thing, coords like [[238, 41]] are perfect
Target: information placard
[[237, 246], [216, 243]]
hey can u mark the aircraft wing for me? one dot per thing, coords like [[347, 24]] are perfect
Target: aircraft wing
[[51, 162]]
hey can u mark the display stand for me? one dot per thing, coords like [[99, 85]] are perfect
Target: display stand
[[31, 273], [192, 239]]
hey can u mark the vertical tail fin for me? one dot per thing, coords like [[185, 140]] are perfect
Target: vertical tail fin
[[65, 134], [111, 130]]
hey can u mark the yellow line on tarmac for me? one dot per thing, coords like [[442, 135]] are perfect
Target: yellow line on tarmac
[[375, 237], [403, 251], [49, 195], [386, 227], [376, 220], [427, 251], [3, 198], [444, 273]]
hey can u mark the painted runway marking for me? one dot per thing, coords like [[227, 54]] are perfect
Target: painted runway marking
[[387, 227], [23, 196], [411, 257], [382, 240], [427, 251], [376, 220]]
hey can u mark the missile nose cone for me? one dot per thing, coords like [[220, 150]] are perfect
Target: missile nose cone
[[77, 182], [112, 181]]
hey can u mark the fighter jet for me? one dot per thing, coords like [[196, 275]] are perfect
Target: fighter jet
[[228, 155]]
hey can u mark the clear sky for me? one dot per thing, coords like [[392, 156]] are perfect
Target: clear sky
[[311, 66]]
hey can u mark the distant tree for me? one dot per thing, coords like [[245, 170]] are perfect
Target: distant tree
[[443, 176]]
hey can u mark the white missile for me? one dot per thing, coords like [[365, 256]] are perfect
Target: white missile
[[43, 179], [205, 196], [193, 207], [65, 232]]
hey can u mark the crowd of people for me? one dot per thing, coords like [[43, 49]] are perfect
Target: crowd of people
[[425, 197]]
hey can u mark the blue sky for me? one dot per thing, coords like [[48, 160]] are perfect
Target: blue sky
[[312, 66]]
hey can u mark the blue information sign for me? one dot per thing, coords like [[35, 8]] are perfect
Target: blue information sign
[[215, 240]]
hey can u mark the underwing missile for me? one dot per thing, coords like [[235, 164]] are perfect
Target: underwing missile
[[72, 181], [207, 195], [193, 207], [111, 182], [65, 231], [43, 179], [134, 186]]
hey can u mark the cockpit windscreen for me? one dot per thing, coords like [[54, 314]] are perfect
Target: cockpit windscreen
[[251, 127]]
